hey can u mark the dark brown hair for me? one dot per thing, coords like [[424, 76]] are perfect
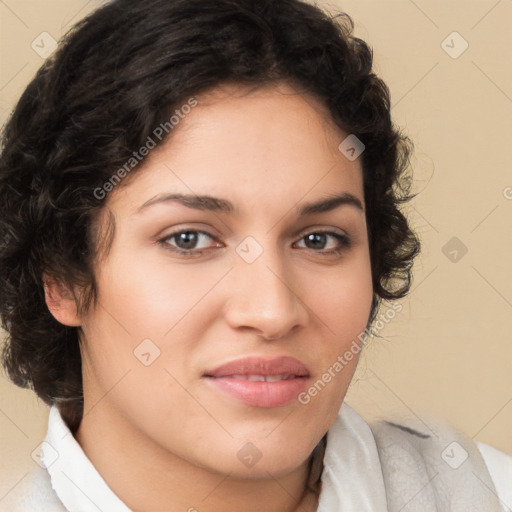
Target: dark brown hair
[[116, 76]]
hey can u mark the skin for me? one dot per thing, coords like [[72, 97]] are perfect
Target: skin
[[160, 435]]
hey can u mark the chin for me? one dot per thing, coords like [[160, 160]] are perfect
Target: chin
[[263, 469], [260, 459]]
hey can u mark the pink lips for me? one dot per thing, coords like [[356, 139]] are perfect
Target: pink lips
[[261, 382]]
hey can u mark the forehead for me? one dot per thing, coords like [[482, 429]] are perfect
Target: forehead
[[252, 145], [256, 116]]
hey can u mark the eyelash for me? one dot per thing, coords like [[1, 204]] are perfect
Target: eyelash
[[343, 240]]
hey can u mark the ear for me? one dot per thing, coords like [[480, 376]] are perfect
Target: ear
[[61, 302]]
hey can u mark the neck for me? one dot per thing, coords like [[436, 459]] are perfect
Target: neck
[[148, 478]]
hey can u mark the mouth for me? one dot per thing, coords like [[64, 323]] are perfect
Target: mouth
[[260, 382], [262, 378]]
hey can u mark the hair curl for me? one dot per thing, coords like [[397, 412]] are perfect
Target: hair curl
[[115, 77]]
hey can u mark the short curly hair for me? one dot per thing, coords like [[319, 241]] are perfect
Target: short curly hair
[[115, 77]]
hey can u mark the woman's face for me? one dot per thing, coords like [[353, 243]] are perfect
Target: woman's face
[[255, 265]]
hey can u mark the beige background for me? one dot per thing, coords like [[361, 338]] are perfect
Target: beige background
[[448, 353]]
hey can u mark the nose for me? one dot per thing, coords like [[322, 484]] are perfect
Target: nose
[[264, 297]]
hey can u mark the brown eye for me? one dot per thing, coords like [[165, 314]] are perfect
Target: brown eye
[[316, 240], [325, 241], [188, 241]]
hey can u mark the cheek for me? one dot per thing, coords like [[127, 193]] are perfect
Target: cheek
[[343, 298], [151, 321], [342, 312], [150, 297]]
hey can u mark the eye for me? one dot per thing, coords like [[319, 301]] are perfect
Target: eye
[[325, 242], [190, 242], [187, 241]]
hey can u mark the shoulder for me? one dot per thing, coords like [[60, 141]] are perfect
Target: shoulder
[[32, 494], [423, 465]]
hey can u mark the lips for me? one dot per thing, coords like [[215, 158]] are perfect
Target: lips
[[260, 382], [264, 378], [261, 366]]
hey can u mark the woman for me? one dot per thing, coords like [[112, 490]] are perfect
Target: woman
[[200, 214]]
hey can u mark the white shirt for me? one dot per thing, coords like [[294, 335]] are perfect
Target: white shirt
[[350, 450]]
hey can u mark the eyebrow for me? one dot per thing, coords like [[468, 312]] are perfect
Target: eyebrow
[[216, 204]]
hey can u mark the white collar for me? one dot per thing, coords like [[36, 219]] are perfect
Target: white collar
[[75, 480], [351, 480]]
